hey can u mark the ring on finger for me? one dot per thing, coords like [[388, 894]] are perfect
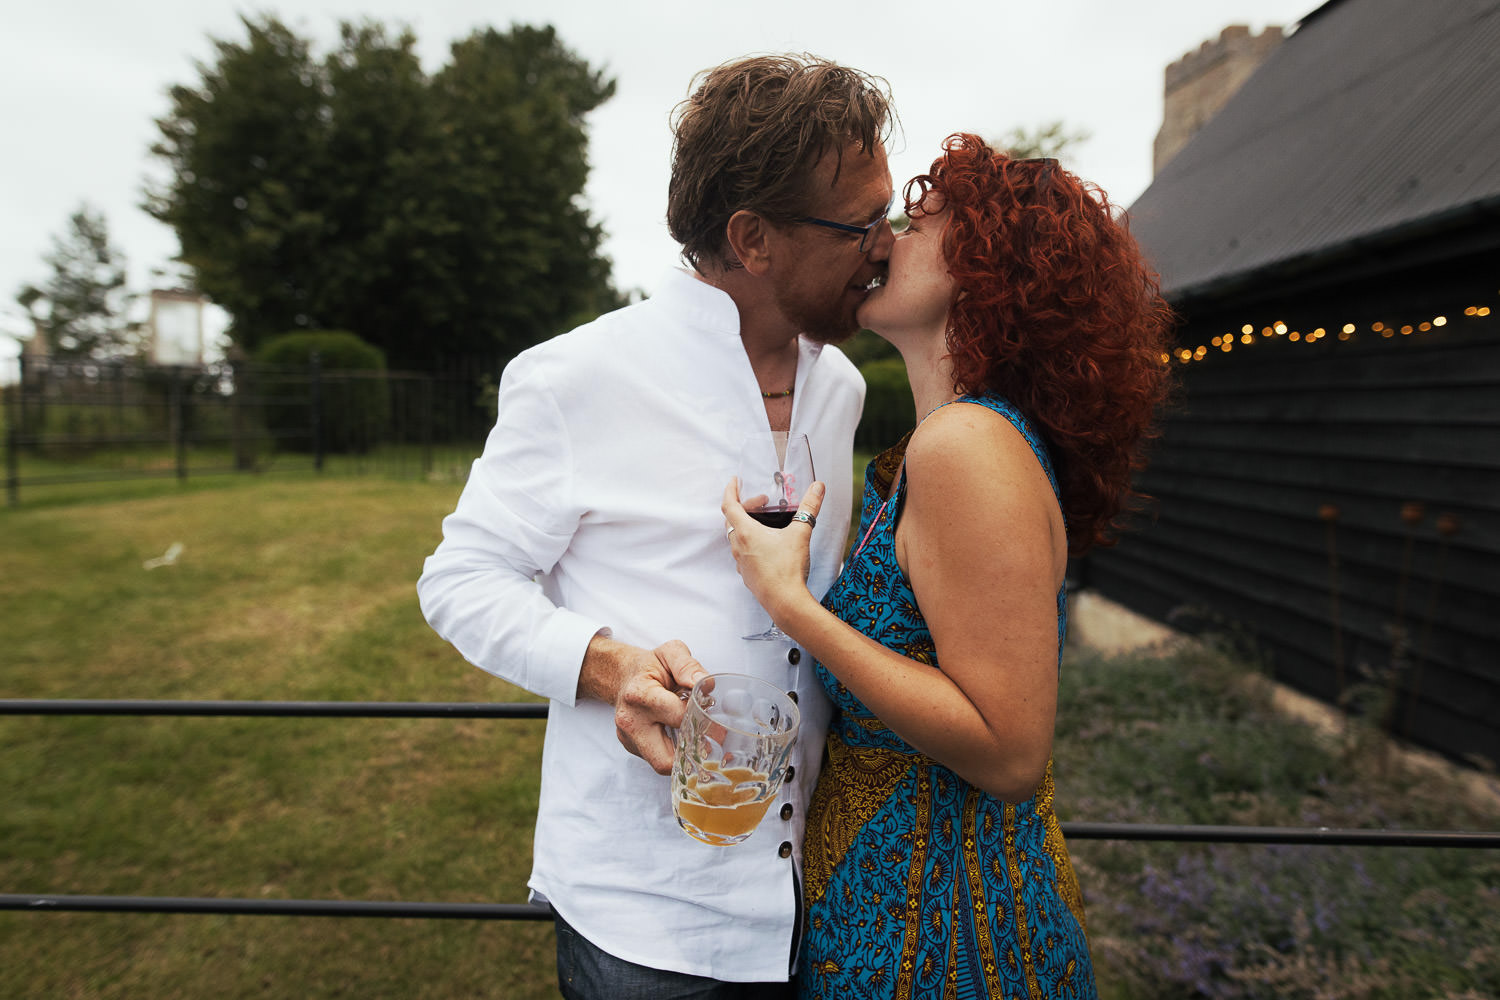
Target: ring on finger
[[729, 531], [809, 519]]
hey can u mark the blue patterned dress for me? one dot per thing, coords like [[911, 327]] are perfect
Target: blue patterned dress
[[918, 884]]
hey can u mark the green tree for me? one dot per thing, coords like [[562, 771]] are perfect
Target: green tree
[[82, 308], [436, 217], [245, 150], [511, 108], [1052, 139], [378, 277]]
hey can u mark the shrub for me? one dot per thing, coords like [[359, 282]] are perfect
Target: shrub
[[866, 346], [354, 401], [889, 410]]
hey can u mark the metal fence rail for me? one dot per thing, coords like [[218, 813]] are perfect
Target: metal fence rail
[[272, 907], [52, 903], [279, 709]]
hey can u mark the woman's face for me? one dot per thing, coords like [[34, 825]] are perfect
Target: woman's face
[[918, 288]]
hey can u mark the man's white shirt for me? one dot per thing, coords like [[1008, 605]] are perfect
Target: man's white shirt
[[595, 509]]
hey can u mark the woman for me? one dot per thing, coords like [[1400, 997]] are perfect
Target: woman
[[934, 863]]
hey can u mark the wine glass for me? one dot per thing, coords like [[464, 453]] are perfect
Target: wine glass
[[775, 468]]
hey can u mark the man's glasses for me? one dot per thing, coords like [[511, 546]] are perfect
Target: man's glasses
[[865, 232]]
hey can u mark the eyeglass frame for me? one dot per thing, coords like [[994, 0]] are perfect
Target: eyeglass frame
[[844, 227]]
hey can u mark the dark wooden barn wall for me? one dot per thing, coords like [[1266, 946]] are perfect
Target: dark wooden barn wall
[[1264, 439]]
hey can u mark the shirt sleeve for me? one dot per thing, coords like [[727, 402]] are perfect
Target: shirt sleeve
[[514, 520]]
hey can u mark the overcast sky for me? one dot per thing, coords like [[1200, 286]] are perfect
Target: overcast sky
[[81, 82]]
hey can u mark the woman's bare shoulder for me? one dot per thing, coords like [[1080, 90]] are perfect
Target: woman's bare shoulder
[[967, 440]]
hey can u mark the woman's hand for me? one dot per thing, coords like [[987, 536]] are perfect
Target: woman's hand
[[772, 562]]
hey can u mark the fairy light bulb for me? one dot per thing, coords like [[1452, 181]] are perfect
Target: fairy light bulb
[[1225, 342]]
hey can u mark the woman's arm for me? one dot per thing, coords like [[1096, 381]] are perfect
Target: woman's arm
[[981, 540]]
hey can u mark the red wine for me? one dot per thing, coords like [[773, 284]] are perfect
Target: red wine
[[773, 517]]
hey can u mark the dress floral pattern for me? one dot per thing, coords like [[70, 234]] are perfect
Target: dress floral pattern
[[918, 884]]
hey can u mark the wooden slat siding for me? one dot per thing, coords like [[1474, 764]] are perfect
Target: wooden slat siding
[[1261, 438], [1298, 645], [1368, 530], [1242, 578], [1449, 699], [1292, 559]]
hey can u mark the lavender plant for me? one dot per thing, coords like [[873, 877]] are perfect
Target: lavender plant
[[1192, 737]]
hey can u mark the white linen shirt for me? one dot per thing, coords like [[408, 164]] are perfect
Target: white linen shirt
[[595, 509]]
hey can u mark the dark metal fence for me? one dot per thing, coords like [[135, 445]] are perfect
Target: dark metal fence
[[73, 422], [39, 903]]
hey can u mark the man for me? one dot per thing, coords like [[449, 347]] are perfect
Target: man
[[587, 562]]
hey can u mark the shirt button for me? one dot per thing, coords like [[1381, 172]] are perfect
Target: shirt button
[[786, 849], [792, 695], [794, 656], [786, 811], [791, 772]]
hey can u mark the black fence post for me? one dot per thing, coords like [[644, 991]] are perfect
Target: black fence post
[[316, 366], [239, 433], [12, 446], [427, 393], [179, 421], [34, 389]]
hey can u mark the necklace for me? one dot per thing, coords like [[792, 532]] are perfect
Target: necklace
[[779, 395]]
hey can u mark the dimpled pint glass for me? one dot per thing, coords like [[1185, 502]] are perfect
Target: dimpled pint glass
[[737, 735]]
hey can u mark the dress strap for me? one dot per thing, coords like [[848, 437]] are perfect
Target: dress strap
[[1007, 409], [930, 412]]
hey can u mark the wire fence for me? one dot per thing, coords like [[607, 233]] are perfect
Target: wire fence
[[51, 903], [77, 422]]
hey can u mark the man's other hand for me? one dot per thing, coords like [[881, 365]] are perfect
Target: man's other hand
[[648, 686]]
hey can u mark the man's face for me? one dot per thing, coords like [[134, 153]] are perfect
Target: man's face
[[821, 276]]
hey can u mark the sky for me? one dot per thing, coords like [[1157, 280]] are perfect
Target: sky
[[82, 82]]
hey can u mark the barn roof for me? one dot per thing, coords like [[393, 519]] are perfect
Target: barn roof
[[1375, 122]]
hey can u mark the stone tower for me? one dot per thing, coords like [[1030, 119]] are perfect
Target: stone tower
[[1199, 84]]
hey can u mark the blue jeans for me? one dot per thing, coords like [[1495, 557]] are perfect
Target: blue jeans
[[585, 972]]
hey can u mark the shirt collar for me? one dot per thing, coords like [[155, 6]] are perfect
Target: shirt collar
[[712, 310], [707, 308]]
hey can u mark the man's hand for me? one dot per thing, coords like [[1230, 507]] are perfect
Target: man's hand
[[644, 687]]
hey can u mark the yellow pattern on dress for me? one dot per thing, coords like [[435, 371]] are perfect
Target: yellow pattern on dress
[[922, 824], [867, 777], [859, 781], [1018, 901], [976, 892], [1057, 850]]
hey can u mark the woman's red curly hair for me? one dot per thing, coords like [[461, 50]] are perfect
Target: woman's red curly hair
[[1057, 311]]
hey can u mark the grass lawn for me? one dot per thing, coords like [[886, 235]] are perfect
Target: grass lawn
[[296, 589], [283, 591]]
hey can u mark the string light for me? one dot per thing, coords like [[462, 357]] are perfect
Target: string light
[[1225, 342]]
